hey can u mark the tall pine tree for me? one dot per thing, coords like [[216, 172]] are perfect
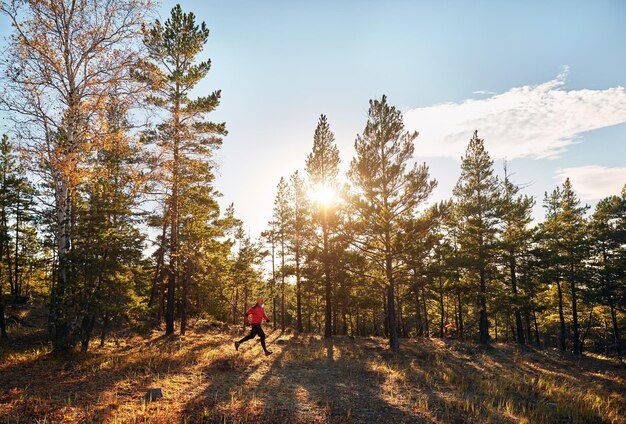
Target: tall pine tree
[[322, 166], [283, 221], [477, 202], [575, 249], [300, 212], [388, 189], [186, 138], [516, 236], [609, 257], [549, 253]]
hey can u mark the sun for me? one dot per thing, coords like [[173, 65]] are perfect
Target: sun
[[323, 194]]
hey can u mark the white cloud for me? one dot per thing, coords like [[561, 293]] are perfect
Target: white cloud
[[532, 121], [594, 182]]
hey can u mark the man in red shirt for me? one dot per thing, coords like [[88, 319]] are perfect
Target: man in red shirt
[[258, 315]]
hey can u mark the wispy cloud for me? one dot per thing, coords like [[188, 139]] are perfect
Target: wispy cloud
[[594, 182], [532, 121], [484, 92]]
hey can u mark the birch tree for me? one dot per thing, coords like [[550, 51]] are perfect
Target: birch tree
[[64, 59]]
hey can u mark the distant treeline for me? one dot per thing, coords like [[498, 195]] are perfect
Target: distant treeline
[[367, 261]]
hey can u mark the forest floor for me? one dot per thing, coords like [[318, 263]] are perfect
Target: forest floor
[[307, 379]]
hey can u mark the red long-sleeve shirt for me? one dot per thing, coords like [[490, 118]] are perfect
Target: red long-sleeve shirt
[[258, 315]]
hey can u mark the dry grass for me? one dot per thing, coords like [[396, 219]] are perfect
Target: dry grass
[[307, 379]]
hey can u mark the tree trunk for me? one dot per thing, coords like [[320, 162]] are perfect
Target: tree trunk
[[537, 341], [235, 301], [105, 327], [606, 337], [401, 330], [18, 288], [426, 320], [577, 350], [442, 310], [244, 307], [273, 285], [318, 318], [184, 301], [53, 280], [7, 250], [587, 328], [328, 312], [173, 266], [299, 327], [60, 340], [509, 327], [309, 313], [394, 343], [87, 329], [518, 315], [561, 317], [528, 330], [159, 264], [615, 329], [172, 270], [418, 315], [375, 321], [3, 324], [274, 319], [161, 312], [495, 325], [282, 304], [458, 298], [282, 282], [483, 324]]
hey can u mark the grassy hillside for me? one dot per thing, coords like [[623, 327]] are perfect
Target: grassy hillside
[[307, 379]]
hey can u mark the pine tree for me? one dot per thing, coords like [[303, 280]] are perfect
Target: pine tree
[[322, 166], [213, 265], [565, 249], [186, 138], [386, 194], [300, 211], [16, 205], [269, 236], [418, 241], [516, 236], [200, 226], [108, 242], [455, 261], [609, 257], [477, 201], [283, 220], [574, 250], [552, 263], [7, 181], [246, 270]]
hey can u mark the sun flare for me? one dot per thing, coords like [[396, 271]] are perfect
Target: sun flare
[[323, 194]]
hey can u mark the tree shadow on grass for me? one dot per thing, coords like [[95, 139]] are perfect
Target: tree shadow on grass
[[494, 384], [307, 380], [226, 385], [38, 385]]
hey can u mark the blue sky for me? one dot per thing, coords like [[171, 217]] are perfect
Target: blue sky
[[544, 79], [541, 81]]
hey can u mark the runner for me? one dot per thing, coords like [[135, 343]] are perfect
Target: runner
[[258, 315]]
